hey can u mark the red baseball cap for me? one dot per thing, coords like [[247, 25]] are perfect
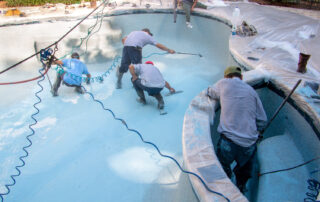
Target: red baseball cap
[[149, 62]]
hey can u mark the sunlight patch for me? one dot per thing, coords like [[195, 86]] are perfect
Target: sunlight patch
[[49, 121], [139, 164], [161, 66], [73, 100]]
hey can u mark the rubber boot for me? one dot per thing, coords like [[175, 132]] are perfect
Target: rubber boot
[[119, 84], [302, 65], [160, 101], [142, 98], [79, 90], [56, 85]]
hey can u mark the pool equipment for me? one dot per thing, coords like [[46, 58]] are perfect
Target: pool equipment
[[279, 108], [198, 54]]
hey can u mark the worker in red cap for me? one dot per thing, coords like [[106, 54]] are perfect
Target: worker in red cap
[[132, 50], [147, 77]]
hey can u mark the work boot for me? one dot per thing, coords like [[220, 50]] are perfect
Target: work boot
[[78, 89], [142, 98], [54, 92], [119, 84], [160, 101], [142, 101], [302, 65]]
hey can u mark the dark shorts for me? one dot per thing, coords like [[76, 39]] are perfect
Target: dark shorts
[[130, 55], [151, 91]]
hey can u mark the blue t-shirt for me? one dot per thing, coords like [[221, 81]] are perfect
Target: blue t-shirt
[[74, 70]]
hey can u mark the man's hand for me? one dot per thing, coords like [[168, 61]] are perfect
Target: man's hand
[[172, 90], [260, 137], [171, 51], [133, 78]]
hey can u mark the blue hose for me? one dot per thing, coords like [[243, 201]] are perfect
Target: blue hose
[[28, 139], [155, 146]]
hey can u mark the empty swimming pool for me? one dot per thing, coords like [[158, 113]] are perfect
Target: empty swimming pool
[[79, 152]]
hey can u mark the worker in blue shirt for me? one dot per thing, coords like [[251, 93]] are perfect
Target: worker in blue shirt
[[72, 75]]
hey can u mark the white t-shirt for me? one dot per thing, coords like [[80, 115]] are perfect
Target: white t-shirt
[[139, 38], [150, 75]]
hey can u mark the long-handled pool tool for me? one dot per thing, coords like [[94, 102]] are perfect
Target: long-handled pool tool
[[198, 54], [279, 108], [274, 115]]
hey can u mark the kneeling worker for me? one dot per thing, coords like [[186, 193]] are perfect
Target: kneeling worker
[[148, 77], [72, 76], [242, 117]]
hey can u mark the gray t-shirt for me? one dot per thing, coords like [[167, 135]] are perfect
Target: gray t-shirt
[[242, 113], [150, 75], [139, 38]]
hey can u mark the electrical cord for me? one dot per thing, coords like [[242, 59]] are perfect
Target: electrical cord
[[154, 145], [18, 167]]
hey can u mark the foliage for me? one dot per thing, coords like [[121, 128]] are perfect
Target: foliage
[[15, 3]]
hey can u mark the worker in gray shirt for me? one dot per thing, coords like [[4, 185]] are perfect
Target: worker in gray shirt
[[132, 50], [242, 117], [147, 77]]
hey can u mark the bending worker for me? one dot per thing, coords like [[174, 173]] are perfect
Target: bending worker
[[132, 50], [242, 117], [148, 77], [72, 76]]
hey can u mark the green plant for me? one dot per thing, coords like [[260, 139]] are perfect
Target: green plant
[[15, 3]]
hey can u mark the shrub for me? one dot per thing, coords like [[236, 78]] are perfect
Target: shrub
[[15, 3]]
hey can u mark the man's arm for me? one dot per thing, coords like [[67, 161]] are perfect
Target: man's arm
[[133, 73], [124, 39], [213, 92], [163, 47], [172, 90], [261, 119], [194, 4], [57, 62], [88, 78]]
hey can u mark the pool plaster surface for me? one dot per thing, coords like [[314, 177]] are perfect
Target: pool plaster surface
[[274, 45]]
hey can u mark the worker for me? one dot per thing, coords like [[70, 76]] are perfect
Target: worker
[[72, 76], [147, 77], [242, 117]]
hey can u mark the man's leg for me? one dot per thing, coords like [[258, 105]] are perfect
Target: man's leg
[[137, 86], [125, 62], [225, 155], [56, 85], [243, 170], [160, 100], [135, 55], [187, 9], [79, 89], [200, 5]]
